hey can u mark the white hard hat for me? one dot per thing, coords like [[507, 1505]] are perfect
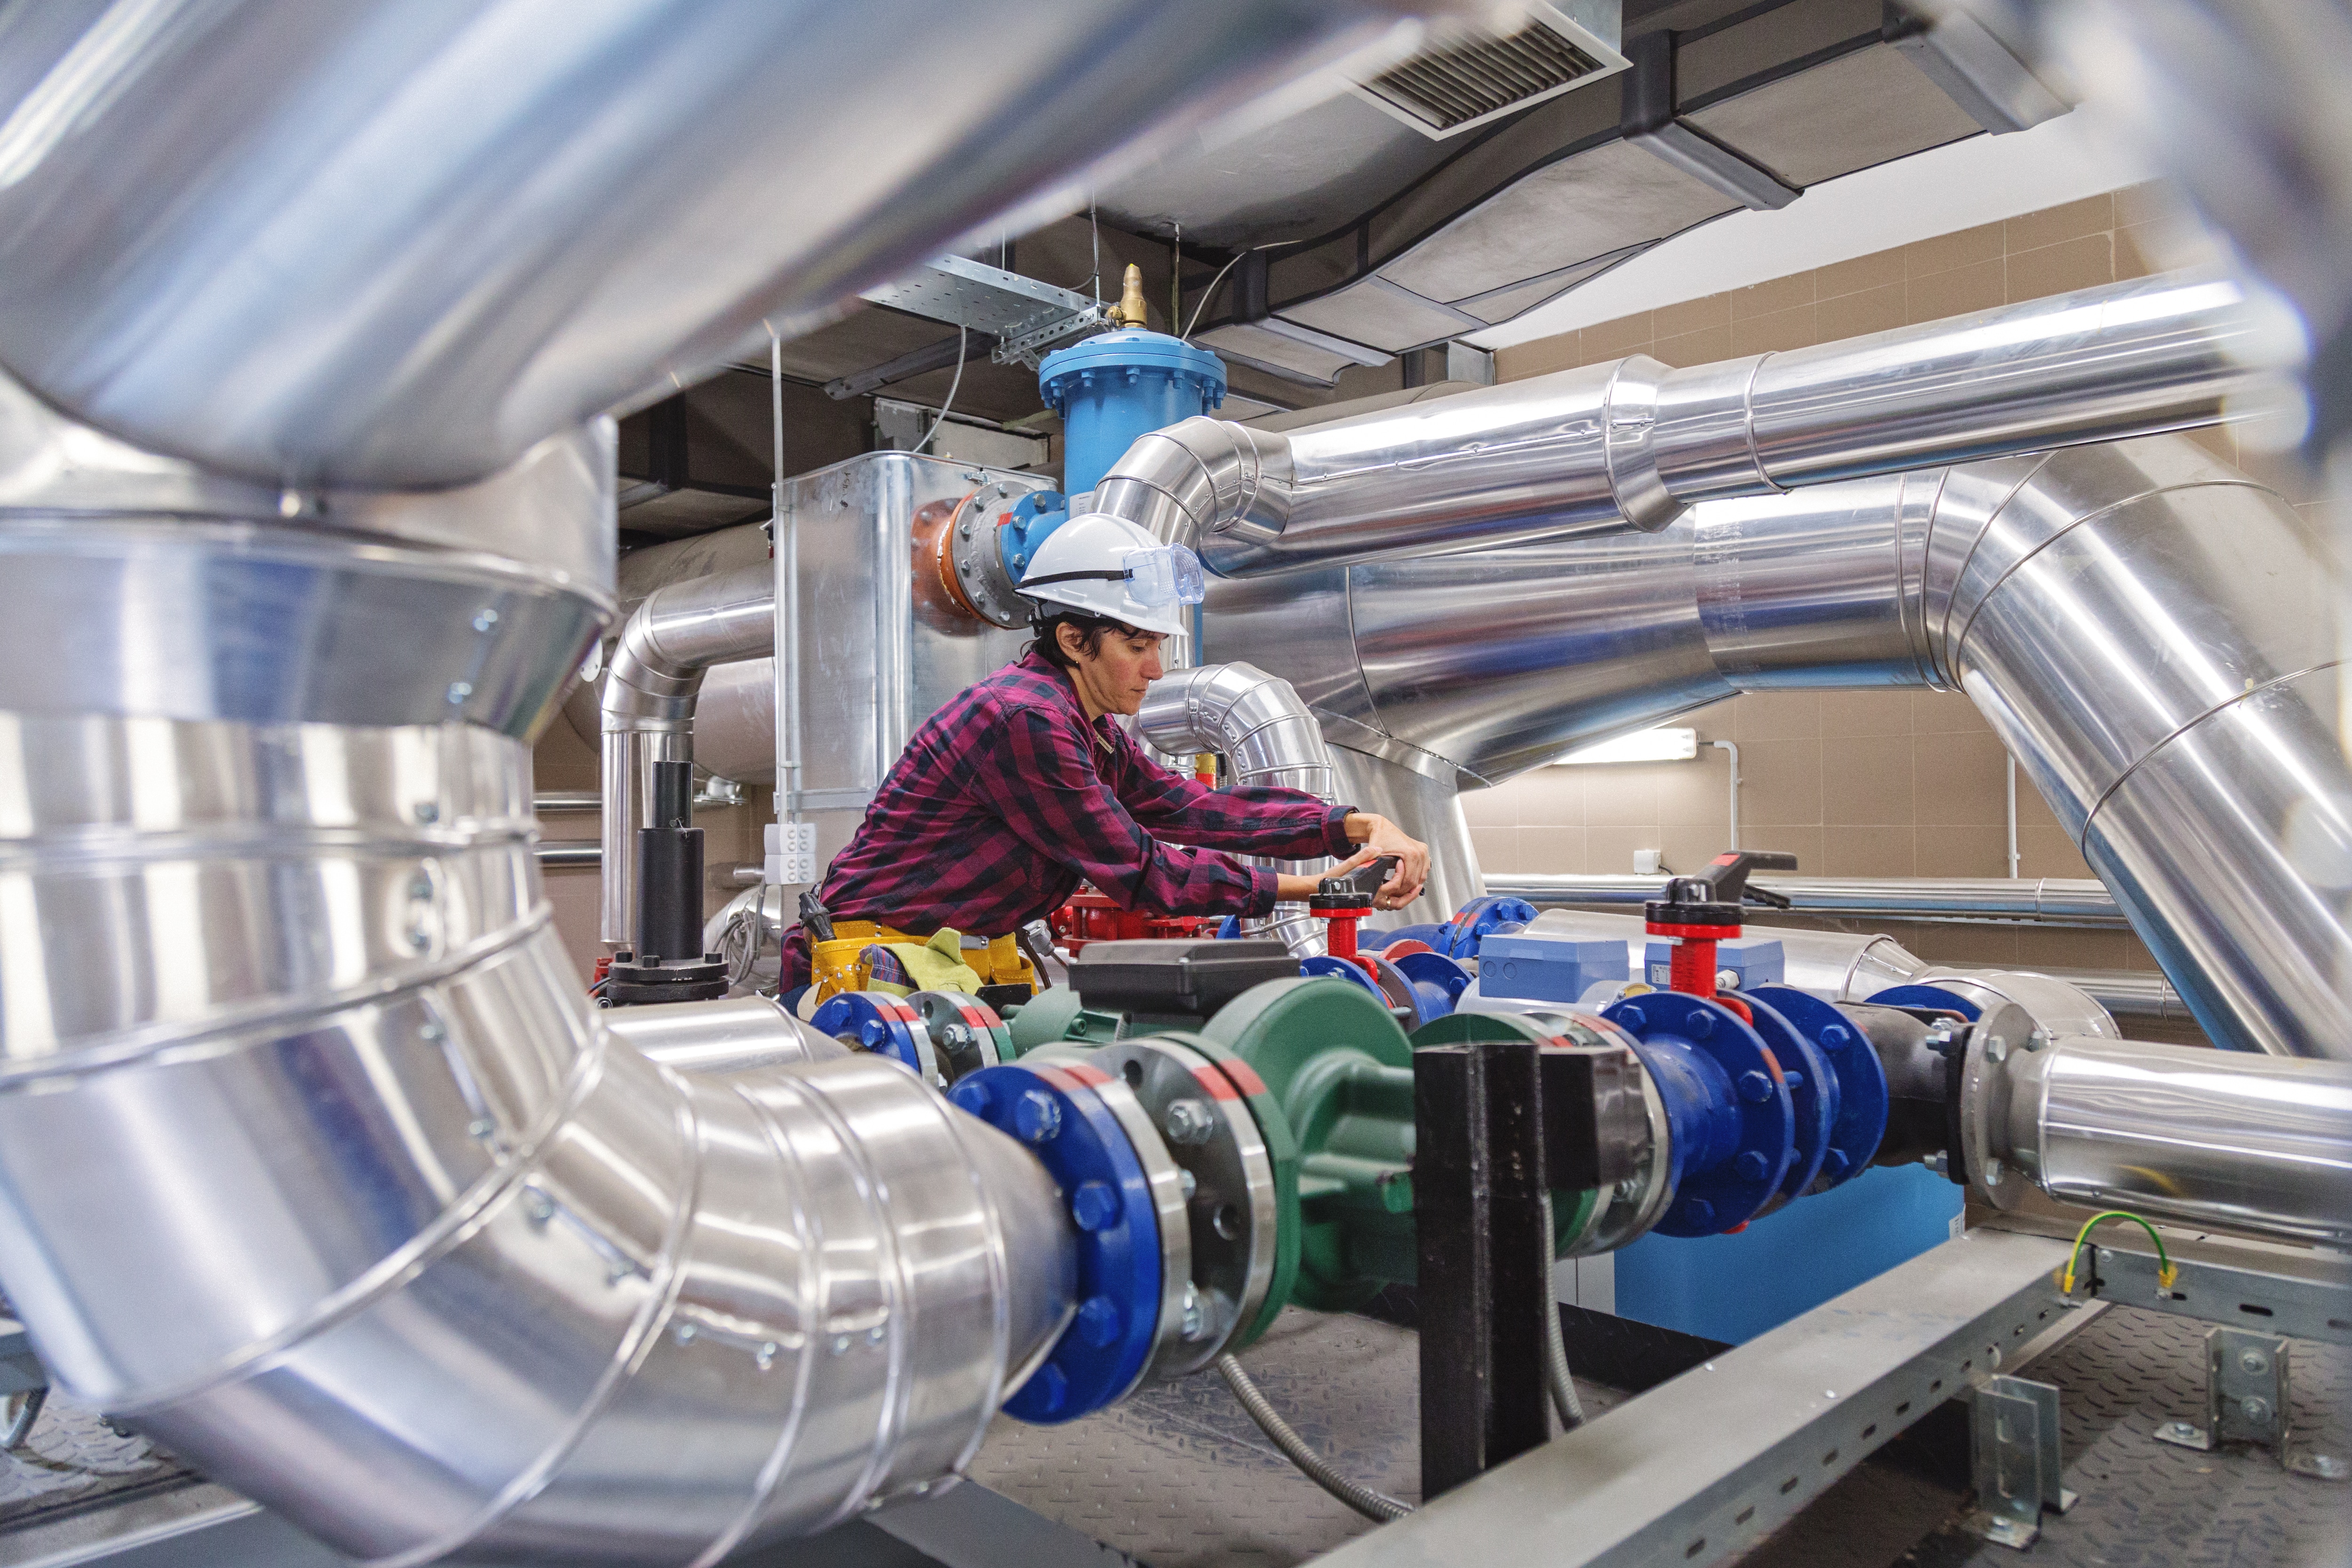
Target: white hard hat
[[1103, 565]]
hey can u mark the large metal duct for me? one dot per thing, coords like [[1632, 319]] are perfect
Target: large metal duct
[[313, 1159], [2150, 633], [382, 246], [651, 689], [1590, 450], [1268, 736]]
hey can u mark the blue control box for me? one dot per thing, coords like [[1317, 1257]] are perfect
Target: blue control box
[[1547, 968]]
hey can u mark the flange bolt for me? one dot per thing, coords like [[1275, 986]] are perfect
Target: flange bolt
[[1752, 1166], [1698, 1213], [1095, 1206], [1755, 1087], [1037, 1118], [1189, 1121], [1098, 1322]]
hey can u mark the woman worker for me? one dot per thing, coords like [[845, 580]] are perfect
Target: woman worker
[[1021, 786]]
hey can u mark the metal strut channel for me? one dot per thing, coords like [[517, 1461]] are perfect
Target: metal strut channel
[[1702, 1469]]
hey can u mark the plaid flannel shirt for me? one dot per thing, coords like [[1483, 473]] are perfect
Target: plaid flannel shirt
[[1008, 797]]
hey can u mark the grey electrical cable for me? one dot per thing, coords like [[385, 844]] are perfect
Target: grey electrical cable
[[962, 333], [1376, 1505], [1209, 293], [1557, 1378]]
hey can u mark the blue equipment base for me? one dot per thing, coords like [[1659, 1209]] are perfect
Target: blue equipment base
[[1734, 1288]]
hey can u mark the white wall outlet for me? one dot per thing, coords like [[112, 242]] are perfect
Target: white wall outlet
[[791, 854], [1646, 862]]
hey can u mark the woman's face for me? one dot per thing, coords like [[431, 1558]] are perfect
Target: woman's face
[[1115, 677]]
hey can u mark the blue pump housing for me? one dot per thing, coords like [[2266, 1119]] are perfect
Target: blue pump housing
[[1111, 389], [1108, 390]]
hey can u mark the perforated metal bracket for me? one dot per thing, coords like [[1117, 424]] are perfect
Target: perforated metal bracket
[[2015, 1460], [2246, 1401], [1023, 314]]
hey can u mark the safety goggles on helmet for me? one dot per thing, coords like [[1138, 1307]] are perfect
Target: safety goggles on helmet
[[1163, 575]]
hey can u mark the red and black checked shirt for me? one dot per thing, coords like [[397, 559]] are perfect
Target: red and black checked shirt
[[1007, 798]]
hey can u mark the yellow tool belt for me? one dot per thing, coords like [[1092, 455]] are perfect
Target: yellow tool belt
[[839, 965]]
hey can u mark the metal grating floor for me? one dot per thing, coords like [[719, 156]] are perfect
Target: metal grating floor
[[1179, 1477]]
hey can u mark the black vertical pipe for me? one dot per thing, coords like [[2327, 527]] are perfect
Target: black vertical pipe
[[1482, 1285], [669, 871]]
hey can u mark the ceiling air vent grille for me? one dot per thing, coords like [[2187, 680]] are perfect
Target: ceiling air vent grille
[[1469, 75]]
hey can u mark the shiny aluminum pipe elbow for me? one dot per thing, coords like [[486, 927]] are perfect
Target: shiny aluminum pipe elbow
[[1258, 724], [315, 1161], [1590, 450], [651, 688], [2152, 634]]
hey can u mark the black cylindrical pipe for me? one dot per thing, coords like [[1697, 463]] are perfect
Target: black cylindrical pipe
[[669, 871]]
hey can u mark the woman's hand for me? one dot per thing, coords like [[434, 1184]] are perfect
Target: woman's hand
[[1380, 837]]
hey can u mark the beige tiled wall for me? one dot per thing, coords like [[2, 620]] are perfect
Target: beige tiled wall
[[1876, 783]]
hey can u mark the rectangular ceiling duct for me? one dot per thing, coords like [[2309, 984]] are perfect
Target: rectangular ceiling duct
[[1469, 75]]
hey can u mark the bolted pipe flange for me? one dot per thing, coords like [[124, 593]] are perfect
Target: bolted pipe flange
[[1856, 1078], [966, 1034], [885, 1025], [1707, 1063], [1123, 1201], [1436, 981], [1812, 1089], [1231, 1207], [1477, 921]]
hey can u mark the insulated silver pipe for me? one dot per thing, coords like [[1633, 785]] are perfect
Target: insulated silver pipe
[[2215, 1137], [1268, 737], [1592, 449], [651, 688], [400, 1238], [2048, 900], [379, 245], [2152, 634]]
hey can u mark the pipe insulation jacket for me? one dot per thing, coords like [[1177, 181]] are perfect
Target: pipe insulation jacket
[[1268, 737], [2153, 636], [1591, 450], [316, 1163], [652, 687]]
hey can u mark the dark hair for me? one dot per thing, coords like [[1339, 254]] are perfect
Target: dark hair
[[1045, 628]]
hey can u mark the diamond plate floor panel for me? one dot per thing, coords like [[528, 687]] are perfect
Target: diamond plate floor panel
[[1179, 1478], [2146, 1502]]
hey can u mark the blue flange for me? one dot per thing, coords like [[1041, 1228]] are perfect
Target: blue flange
[[1341, 969], [1812, 1095], [878, 1022], [1437, 978], [1933, 998], [1477, 919], [1065, 1124], [1728, 1112], [1859, 1122], [1433, 937]]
